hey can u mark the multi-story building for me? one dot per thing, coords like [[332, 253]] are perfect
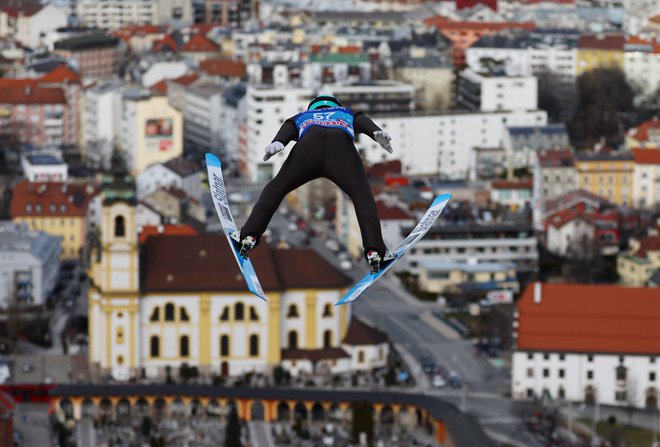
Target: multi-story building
[[178, 172], [641, 64], [230, 12], [152, 130], [165, 308], [431, 75], [439, 277], [587, 343], [554, 175], [571, 234], [233, 116], [59, 209], [489, 92], [642, 260], [607, 174], [101, 116], [115, 14], [199, 48], [521, 143], [515, 195], [44, 167], [646, 178], [600, 51], [27, 22], [95, 54], [202, 126], [493, 243], [29, 265]]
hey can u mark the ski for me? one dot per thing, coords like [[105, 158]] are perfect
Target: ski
[[417, 233], [219, 195]]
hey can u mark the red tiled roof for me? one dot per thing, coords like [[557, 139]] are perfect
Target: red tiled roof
[[314, 355], [391, 212], [172, 230], [646, 156], [134, 29], [205, 263], [185, 79], [443, 23], [200, 43], [636, 40], [561, 218], [380, 170], [31, 95], [572, 198], [641, 132], [166, 43], [558, 158], [647, 244], [590, 318], [505, 184], [360, 333], [204, 28], [60, 74], [349, 49], [160, 87], [26, 9], [655, 19], [55, 199], [611, 42], [223, 67]]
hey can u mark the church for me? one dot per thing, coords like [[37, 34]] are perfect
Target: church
[[172, 299]]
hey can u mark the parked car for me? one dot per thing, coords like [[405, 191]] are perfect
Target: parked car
[[455, 380], [345, 264], [27, 367], [428, 365], [333, 245], [438, 381]]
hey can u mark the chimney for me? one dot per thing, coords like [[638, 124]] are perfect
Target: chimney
[[537, 292]]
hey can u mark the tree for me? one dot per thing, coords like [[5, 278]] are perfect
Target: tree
[[184, 372], [233, 429], [603, 96], [555, 96], [363, 421]]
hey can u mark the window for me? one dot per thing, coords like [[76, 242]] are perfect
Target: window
[[561, 373], [169, 312], [120, 226], [292, 312], [360, 356], [546, 372], [120, 335], [238, 312], [651, 377], [561, 394], [562, 357], [183, 314], [184, 346], [253, 314], [224, 316], [652, 360], [530, 373], [155, 346], [224, 346], [155, 315], [293, 340], [546, 356], [620, 396], [254, 345], [327, 339], [621, 372], [327, 311], [530, 356], [590, 375], [590, 358]]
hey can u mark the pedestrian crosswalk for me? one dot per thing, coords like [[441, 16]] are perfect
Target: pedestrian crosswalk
[[500, 420], [460, 393]]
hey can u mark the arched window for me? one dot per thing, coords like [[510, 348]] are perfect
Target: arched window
[[293, 340], [327, 339], [327, 310], [253, 314], [120, 226], [254, 345], [360, 356], [155, 315], [224, 316], [184, 346], [169, 312], [292, 312], [120, 335], [238, 312], [183, 314], [224, 346], [155, 346]]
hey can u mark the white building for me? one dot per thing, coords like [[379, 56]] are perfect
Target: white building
[[29, 264], [567, 234], [102, 114], [44, 167], [646, 178], [202, 126], [113, 14], [178, 172], [233, 116], [587, 343], [641, 65], [486, 92], [27, 24]]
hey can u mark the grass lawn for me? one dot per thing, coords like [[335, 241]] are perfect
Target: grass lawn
[[630, 435]]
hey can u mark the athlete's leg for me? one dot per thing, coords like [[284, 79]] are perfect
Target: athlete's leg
[[344, 167], [302, 165]]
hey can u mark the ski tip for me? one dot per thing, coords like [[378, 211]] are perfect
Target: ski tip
[[442, 198], [212, 160]]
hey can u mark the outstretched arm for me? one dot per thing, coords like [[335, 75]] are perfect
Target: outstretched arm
[[288, 132], [363, 124]]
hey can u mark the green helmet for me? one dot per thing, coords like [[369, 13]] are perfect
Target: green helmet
[[323, 101]]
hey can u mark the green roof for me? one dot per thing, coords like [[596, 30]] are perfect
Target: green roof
[[340, 58]]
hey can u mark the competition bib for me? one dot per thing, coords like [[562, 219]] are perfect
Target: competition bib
[[338, 117]]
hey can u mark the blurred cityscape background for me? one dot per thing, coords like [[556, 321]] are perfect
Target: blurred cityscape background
[[528, 316]]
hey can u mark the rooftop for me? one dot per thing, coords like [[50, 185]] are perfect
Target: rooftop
[[17, 237], [589, 319], [359, 333], [44, 160], [51, 199], [87, 42]]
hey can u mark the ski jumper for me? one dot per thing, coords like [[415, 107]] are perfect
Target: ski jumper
[[324, 148]]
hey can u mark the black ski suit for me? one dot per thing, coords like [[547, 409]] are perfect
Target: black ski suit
[[322, 152]]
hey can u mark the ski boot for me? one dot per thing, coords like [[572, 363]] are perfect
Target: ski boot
[[242, 246], [378, 263]]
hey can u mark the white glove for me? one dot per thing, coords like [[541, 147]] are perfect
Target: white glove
[[383, 138], [272, 149]]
